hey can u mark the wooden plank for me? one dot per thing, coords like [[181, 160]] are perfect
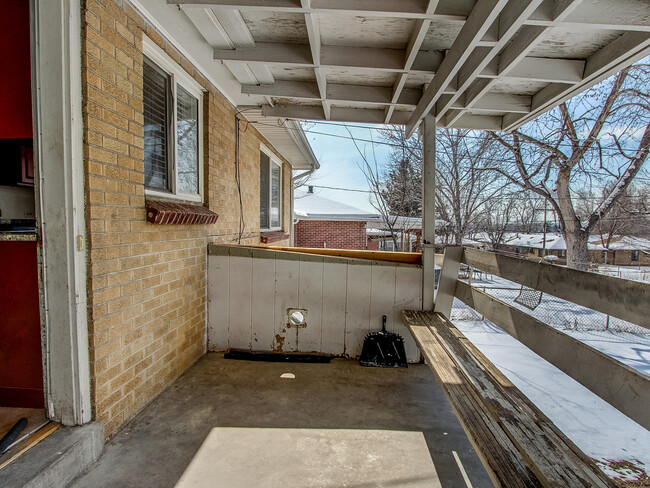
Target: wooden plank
[[447, 281], [262, 303], [239, 309], [218, 302], [310, 291], [502, 461], [627, 300], [554, 459], [334, 306], [30, 442], [545, 458], [389, 256], [357, 312], [568, 447], [623, 387], [408, 296], [287, 273]]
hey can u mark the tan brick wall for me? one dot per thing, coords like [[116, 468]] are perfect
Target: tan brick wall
[[146, 283]]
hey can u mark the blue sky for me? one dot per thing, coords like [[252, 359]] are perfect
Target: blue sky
[[339, 160]]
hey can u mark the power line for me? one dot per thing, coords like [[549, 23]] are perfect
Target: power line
[[383, 143]]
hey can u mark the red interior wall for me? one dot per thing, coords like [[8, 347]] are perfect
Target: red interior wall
[[21, 370], [15, 66]]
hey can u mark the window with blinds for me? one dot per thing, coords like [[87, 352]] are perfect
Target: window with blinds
[[270, 193], [156, 94], [172, 128], [265, 164]]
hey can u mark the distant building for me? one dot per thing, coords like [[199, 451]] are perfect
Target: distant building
[[622, 251], [324, 223]]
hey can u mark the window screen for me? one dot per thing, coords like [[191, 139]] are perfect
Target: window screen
[[275, 195], [156, 134], [264, 190], [187, 140]]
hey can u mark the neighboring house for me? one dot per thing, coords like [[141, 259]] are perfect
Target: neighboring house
[[533, 246], [621, 251], [325, 223]]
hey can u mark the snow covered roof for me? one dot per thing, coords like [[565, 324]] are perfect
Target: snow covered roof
[[627, 243], [309, 206], [554, 242], [377, 233]]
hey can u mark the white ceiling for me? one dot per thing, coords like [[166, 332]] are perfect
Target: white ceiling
[[486, 64]]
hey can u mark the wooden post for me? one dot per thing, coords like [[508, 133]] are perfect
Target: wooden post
[[428, 134], [417, 240], [401, 242], [447, 281]]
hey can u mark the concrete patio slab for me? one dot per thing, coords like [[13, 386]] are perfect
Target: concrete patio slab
[[156, 448], [277, 458]]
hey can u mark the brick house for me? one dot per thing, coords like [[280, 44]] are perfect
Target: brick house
[[325, 223], [140, 160]]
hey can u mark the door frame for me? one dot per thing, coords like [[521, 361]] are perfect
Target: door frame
[[60, 207]]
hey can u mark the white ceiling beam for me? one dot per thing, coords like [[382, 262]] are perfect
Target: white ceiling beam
[[537, 69], [313, 35], [514, 63], [340, 114], [227, 32], [478, 122], [413, 47], [498, 102], [627, 49], [300, 55], [336, 93], [624, 15], [449, 10], [628, 15], [483, 14], [509, 22]]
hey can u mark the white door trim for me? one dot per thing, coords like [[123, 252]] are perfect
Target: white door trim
[[59, 168]]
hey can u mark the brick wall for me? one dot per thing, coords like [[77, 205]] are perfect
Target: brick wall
[[331, 234], [146, 282]]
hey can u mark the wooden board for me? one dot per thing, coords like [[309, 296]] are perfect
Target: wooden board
[[625, 299], [28, 443], [517, 443], [624, 387], [389, 256]]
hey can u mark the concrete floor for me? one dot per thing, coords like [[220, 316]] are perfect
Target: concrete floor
[[156, 447]]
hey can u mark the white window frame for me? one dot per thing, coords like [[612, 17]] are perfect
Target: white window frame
[[273, 159], [178, 77]]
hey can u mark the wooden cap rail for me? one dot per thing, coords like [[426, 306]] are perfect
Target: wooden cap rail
[[623, 387], [518, 445], [389, 256], [627, 300]]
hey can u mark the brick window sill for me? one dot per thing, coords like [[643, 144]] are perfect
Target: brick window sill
[[168, 213], [275, 236]]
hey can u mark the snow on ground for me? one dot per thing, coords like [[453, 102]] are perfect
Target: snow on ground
[[596, 427]]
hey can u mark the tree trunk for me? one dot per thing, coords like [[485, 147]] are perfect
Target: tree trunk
[[576, 249], [574, 235]]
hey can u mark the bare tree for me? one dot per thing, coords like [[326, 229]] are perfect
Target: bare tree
[[629, 215], [374, 177], [601, 137], [498, 217], [463, 188]]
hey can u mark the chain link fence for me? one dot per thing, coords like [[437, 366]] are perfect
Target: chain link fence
[[558, 313]]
